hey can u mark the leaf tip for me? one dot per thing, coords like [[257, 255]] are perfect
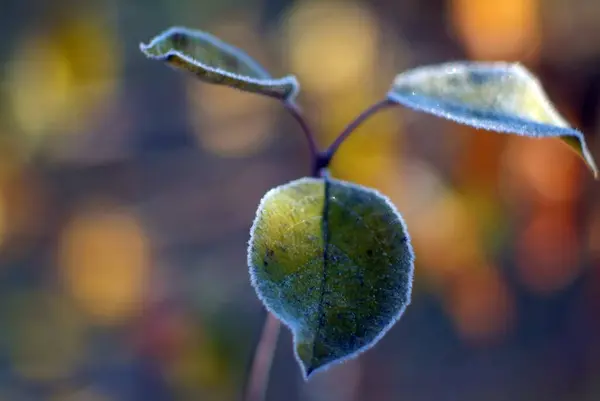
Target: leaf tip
[[144, 48], [591, 163], [149, 50], [578, 144], [166, 43], [308, 370], [593, 168]]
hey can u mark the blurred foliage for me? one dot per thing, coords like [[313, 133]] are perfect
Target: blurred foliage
[[127, 193]]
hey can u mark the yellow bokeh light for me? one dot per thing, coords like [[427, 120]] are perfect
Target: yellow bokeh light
[[57, 77], [448, 232], [371, 153], [331, 44], [498, 29], [104, 259], [37, 95]]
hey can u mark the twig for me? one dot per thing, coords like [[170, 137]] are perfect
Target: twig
[[382, 104], [295, 111], [263, 358], [263, 355]]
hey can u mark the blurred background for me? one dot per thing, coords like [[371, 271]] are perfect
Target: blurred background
[[127, 191]]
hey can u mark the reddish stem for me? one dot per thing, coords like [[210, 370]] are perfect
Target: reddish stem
[[263, 355], [263, 359], [350, 128], [295, 111]]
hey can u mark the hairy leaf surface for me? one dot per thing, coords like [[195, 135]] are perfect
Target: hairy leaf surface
[[217, 62], [333, 261], [499, 96]]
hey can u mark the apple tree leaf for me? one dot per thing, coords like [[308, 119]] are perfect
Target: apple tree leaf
[[333, 261], [497, 96], [216, 62]]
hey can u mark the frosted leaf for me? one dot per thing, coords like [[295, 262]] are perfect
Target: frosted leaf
[[333, 261], [503, 97], [217, 62]]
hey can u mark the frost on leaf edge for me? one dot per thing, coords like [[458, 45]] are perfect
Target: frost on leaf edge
[[266, 79], [290, 325]]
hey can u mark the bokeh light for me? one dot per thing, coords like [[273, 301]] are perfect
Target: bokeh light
[[58, 77], [104, 260], [493, 32]]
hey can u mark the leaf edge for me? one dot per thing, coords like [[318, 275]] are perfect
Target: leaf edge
[[517, 68], [412, 258], [289, 79]]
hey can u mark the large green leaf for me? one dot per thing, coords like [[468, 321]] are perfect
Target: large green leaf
[[333, 261], [499, 96], [217, 62]]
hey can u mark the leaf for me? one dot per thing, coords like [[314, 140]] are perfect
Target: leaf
[[338, 273], [500, 96], [217, 62]]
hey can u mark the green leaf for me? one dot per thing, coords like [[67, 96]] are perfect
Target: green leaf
[[217, 62], [500, 96], [333, 261]]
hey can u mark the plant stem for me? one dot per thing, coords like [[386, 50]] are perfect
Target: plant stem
[[375, 108], [263, 355], [295, 111], [263, 358], [258, 378]]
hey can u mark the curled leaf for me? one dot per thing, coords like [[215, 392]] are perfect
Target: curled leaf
[[502, 97], [333, 261], [217, 62]]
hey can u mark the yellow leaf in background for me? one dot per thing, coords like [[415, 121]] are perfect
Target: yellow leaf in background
[[104, 260], [331, 44], [58, 77]]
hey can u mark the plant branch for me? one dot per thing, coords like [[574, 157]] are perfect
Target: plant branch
[[263, 355], [295, 111], [263, 358], [258, 378], [350, 128]]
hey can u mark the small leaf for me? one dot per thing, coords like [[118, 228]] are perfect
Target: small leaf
[[333, 261], [498, 96], [217, 62]]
